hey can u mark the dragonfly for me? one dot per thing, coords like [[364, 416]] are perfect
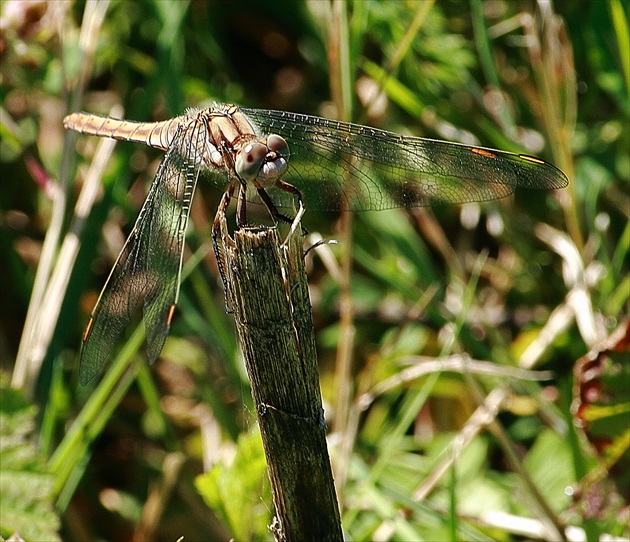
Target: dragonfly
[[278, 157]]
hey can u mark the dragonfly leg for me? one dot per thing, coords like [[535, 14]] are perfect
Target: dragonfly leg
[[273, 210], [289, 188], [271, 207], [296, 192], [241, 208], [218, 249]]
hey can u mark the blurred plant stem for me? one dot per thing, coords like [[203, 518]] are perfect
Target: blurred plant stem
[[341, 78], [47, 294]]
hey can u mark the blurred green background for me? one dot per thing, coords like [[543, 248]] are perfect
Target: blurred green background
[[421, 315]]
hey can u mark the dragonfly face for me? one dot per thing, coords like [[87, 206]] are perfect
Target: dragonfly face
[[262, 162], [333, 166]]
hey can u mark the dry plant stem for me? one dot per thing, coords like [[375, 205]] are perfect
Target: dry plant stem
[[341, 93], [268, 293], [486, 416], [552, 524], [551, 58], [159, 495], [31, 351]]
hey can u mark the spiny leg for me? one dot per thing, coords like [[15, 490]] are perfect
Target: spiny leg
[[296, 192], [289, 188], [271, 207], [241, 220], [241, 206]]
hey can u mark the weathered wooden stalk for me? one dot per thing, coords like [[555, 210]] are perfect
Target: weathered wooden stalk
[[267, 290]]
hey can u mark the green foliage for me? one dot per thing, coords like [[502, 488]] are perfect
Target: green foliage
[[26, 497], [240, 490], [449, 431]]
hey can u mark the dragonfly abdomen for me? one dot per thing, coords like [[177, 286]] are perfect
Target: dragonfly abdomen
[[158, 135]]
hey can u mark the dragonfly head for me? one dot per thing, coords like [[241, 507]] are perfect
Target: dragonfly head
[[266, 161]]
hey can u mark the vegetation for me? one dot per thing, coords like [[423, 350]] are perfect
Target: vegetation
[[452, 341]]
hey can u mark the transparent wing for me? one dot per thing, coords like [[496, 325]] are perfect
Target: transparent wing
[[337, 165], [149, 265]]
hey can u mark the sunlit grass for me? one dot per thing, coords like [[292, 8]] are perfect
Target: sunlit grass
[[432, 325]]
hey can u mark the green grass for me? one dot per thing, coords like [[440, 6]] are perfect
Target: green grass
[[423, 317]]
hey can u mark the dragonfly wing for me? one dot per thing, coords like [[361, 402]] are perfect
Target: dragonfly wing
[[166, 231], [338, 165], [148, 266], [118, 300]]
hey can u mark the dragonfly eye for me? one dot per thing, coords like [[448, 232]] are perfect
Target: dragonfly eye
[[276, 161], [249, 160], [278, 145]]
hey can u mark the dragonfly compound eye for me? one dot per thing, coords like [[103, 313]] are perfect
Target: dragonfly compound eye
[[249, 160], [277, 144], [276, 162]]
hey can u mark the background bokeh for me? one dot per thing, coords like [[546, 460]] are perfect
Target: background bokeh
[[422, 316]]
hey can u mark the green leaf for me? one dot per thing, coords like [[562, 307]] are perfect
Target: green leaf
[[26, 504], [550, 467], [239, 492]]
